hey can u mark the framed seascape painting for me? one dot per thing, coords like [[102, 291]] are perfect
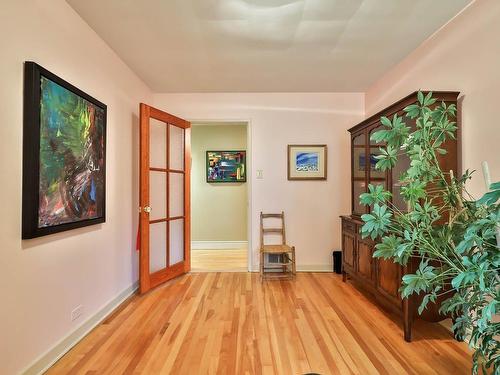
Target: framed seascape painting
[[226, 166], [64, 155], [307, 162]]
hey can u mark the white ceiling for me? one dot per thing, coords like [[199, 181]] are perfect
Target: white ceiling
[[264, 45]]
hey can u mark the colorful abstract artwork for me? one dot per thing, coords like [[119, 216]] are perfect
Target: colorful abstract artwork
[[226, 166], [67, 129], [307, 162]]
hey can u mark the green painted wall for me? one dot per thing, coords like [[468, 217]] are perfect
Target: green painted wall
[[219, 211]]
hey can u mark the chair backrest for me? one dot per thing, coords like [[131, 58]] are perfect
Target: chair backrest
[[264, 230]]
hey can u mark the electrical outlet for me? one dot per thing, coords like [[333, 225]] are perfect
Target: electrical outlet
[[76, 313], [260, 174]]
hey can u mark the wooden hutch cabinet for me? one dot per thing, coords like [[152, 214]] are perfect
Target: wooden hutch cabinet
[[380, 277]]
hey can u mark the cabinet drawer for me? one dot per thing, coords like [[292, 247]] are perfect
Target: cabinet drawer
[[348, 226]]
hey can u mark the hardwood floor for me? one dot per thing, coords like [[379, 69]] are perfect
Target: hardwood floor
[[228, 260], [230, 323]]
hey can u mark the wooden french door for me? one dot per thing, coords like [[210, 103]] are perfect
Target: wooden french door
[[165, 157]]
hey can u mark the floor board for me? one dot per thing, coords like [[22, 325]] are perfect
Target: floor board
[[231, 323], [227, 260]]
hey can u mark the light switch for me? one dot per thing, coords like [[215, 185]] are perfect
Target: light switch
[[260, 174]]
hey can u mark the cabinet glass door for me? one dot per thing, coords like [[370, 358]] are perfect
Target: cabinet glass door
[[375, 173], [359, 163], [372, 142], [359, 187], [401, 166]]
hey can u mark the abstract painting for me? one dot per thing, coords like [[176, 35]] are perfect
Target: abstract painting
[[64, 155], [226, 166], [307, 162]]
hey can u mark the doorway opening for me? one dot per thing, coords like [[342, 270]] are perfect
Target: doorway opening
[[219, 196]]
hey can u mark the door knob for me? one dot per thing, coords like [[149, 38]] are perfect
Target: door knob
[[147, 209]]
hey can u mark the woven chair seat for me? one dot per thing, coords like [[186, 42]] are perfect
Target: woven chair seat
[[276, 249]]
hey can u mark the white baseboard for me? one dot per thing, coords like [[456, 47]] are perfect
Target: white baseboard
[[46, 360], [218, 245], [314, 268], [308, 268]]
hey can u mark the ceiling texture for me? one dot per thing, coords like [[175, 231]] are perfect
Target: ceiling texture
[[264, 45]]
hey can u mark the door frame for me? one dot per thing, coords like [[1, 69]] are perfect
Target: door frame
[[248, 121]]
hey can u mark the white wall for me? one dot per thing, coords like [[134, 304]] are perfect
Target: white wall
[[312, 208], [464, 56], [218, 210], [42, 280]]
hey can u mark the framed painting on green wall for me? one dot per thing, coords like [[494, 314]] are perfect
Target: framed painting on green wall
[[226, 166]]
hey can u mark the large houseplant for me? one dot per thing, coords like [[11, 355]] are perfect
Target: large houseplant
[[453, 238]]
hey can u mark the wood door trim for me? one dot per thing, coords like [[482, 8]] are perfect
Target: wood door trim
[[166, 274], [154, 221], [165, 117], [176, 217], [156, 169], [144, 283], [167, 177], [187, 197]]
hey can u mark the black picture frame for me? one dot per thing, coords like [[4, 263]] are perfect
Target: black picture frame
[[31, 153], [225, 181]]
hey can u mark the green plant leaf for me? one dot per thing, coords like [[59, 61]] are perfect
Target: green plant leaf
[[376, 194], [376, 223], [492, 196], [418, 282], [387, 248], [420, 97], [387, 158], [431, 297]]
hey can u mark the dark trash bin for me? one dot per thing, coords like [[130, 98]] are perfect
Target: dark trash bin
[[337, 261]]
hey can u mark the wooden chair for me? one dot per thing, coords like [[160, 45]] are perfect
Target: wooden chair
[[285, 267]]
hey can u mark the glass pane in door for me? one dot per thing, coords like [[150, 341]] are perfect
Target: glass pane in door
[[157, 246], [157, 144], [176, 241], [157, 195], [176, 194], [176, 148]]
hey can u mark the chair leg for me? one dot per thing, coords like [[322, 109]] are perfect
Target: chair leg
[[294, 271], [261, 266]]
